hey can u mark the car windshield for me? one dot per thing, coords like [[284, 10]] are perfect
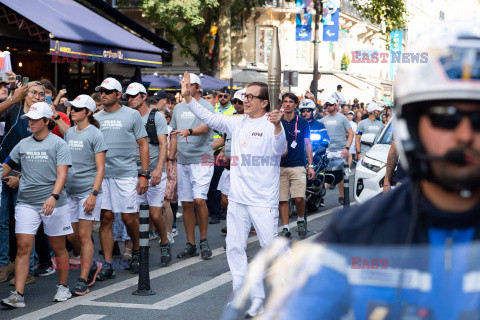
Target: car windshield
[[386, 138]]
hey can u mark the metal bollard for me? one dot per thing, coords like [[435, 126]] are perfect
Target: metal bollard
[[346, 185], [144, 272]]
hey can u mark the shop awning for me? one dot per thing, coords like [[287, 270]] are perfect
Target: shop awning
[[78, 32]]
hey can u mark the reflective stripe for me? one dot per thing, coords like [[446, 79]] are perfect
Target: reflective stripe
[[471, 282], [412, 278]]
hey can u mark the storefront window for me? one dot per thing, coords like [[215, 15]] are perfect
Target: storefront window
[[263, 45]]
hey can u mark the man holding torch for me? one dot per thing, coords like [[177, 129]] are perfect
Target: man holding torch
[[258, 142]]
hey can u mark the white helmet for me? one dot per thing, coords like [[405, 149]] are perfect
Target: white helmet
[[448, 68], [308, 104]]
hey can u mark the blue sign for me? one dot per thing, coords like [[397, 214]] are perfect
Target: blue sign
[[331, 27], [303, 33], [396, 37]]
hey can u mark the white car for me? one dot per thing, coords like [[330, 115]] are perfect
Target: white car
[[370, 170]]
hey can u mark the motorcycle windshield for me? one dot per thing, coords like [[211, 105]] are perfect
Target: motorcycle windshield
[[320, 281]]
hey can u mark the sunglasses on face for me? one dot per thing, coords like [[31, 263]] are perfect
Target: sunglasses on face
[[328, 105], [106, 91], [448, 117], [306, 110], [132, 96], [78, 109], [220, 96]]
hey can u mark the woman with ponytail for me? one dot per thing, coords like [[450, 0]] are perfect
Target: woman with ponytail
[[84, 181]]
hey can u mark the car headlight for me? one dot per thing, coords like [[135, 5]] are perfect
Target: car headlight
[[315, 137], [373, 164]]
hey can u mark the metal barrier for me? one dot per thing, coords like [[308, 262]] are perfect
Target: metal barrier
[[346, 185]]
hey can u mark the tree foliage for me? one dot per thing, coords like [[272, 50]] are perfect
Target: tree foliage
[[392, 13]]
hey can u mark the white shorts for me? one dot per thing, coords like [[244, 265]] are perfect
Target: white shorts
[[334, 154], [120, 194], [154, 195], [224, 182], [76, 210], [28, 219], [193, 181]]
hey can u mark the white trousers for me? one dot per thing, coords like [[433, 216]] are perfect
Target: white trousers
[[239, 220]]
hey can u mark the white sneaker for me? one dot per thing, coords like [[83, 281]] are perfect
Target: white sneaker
[[174, 232], [63, 293], [255, 310], [75, 260], [15, 300], [170, 238]]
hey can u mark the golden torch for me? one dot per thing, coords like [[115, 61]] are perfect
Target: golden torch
[[274, 71]]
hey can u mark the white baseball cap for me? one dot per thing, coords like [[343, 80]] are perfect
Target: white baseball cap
[[110, 84], [38, 110], [195, 79], [83, 101], [374, 107], [332, 101], [133, 89], [240, 94]]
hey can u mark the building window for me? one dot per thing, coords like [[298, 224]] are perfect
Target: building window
[[263, 45], [442, 15]]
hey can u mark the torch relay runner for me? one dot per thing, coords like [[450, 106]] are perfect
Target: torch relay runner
[[258, 143]]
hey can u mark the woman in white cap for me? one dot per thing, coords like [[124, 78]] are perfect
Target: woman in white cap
[[44, 158], [88, 150]]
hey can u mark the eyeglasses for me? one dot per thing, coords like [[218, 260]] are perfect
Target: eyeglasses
[[220, 96], [328, 104], [448, 117], [78, 109], [132, 96], [106, 91], [37, 94], [249, 97], [306, 110]]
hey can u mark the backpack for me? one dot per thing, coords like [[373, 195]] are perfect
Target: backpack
[[151, 128]]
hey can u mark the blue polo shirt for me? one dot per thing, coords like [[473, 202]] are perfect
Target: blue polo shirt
[[296, 157]]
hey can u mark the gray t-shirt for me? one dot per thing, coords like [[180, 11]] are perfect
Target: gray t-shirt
[[369, 126], [121, 129], [337, 127], [83, 147], [228, 145], [191, 149], [39, 161], [161, 126]]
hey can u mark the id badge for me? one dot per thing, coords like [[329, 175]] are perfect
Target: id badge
[[293, 144]]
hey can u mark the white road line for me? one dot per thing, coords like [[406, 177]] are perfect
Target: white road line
[[90, 317], [97, 294]]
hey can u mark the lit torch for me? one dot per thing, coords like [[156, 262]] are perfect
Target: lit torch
[[274, 71]]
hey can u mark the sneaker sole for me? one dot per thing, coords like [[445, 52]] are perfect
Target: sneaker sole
[[207, 257], [99, 267], [61, 300], [12, 306], [46, 274], [80, 293], [196, 254]]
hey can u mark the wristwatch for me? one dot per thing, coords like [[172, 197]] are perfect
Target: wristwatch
[[168, 159], [348, 148], [310, 165], [57, 117], [55, 196], [95, 193], [145, 174], [191, 131]]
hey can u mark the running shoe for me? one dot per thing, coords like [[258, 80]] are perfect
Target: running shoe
[[15, 300], [75, 260], [94, 270], [169, 238], [205, 249], [152, 235], [174, 232], [322, 202], [106, 272], [135, 262], [302, 231], [190, 250], [341, 201], [6, 270], [166, 254], [255, 310], [63, 293], [43, 272], [285, 233], [30, 280], [80, 288]]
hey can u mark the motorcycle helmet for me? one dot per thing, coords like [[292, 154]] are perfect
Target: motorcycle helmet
[[308, 104], [446, 67]]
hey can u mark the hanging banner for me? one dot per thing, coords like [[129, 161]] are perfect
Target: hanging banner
[[304, 20], [396, 37], [331, 26]]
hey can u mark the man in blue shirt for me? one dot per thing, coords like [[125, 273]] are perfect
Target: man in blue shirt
[[292, 167]]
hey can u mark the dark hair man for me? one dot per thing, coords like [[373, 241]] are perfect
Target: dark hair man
[[258, 142], [124, 132]]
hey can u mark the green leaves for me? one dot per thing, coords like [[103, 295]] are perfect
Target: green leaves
[[392, 12]]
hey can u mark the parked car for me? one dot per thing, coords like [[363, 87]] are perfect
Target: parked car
[[370, 170]]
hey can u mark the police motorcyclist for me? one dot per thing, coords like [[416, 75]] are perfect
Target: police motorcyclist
[[438, 136], [318, 132]]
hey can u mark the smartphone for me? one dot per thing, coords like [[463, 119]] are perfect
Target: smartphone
[[18, 78], [25, 81], [48, 99], [63, 87]]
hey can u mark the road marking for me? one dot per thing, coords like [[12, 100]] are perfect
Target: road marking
[[97, 294], [90, 317]]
